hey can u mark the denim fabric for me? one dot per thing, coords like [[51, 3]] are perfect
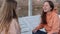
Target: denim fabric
[[39, 32]]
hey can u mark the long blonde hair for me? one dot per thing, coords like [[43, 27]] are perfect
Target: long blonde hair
[[8, 12]]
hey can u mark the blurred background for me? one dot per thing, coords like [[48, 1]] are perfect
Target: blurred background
[[22, 7]]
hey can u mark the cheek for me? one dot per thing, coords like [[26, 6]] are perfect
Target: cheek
[[43, 8], [48, 8]]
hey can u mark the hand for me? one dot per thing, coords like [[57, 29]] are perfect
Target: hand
[[35, 30]]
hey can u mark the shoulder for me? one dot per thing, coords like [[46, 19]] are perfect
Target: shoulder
[[14, 22], [14, 27], [55, 15]]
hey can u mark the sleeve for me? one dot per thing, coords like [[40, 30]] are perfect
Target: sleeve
[[14, 28], [40, 26], [55, 27]]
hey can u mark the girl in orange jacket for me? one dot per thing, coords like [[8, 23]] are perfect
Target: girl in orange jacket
[[49, 19]]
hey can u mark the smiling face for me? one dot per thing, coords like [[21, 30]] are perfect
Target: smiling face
[[46, 7]]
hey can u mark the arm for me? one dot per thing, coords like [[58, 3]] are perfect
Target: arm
[[55, 27], [37, 28], [40, 26], [14, 27]]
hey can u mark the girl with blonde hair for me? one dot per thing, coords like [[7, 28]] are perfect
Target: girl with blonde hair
[[8, 18]]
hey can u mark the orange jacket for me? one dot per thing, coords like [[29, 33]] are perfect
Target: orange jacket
[[53, 23]]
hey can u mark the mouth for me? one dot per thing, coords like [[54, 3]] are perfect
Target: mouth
[[45, 9]]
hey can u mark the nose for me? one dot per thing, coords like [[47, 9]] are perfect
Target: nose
[[44, 7]]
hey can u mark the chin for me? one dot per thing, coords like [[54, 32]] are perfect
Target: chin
[[45, 11]]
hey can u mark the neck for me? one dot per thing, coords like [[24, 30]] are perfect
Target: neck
[[48, 13]]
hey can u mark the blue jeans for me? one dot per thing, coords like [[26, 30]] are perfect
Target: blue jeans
[[39, 32]]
